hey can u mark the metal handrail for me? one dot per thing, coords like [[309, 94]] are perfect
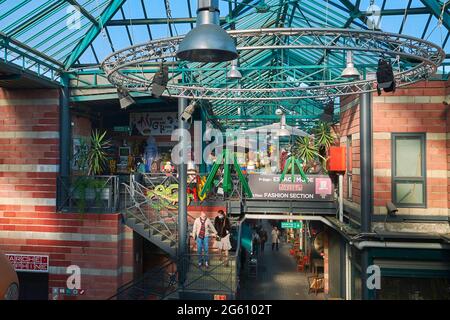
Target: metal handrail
[[142, 205], [222, 277], [158, 273]]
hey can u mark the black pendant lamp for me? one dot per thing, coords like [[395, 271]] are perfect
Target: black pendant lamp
[[207, 42]]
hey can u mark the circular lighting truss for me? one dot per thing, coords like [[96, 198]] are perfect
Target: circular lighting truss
[[420, 59]]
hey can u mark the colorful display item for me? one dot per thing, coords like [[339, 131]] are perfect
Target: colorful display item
[[337, 160], [291, 163], [227, 181]]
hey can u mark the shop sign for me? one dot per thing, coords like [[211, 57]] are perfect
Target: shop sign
[[268, 187], [29, 263], [291, 225], [122, 129], [154, 123]]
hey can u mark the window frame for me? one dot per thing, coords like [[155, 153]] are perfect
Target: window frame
[[396, 180], [349, 147]]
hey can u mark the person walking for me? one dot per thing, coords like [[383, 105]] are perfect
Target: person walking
[[255, 243], [223, 227], [275, 238], [263, 238], [201, 231]]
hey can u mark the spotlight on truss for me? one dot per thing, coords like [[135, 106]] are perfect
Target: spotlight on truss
[[125, 99]]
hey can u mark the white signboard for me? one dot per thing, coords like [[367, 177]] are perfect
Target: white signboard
[[154, 123]]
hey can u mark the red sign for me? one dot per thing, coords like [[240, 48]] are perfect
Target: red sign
[[29, 263], [220, 297]]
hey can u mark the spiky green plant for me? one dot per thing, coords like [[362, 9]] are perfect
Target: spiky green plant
[[305, 149], [323, 136], [97, 153]]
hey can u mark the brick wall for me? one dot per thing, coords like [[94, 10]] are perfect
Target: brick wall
[[417, 109], [29, 166], [98, 243], [448, 146], [29, 150], [349, 128]]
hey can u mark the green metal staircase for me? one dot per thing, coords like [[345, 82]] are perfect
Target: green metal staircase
[[145, 216], [155, 219]]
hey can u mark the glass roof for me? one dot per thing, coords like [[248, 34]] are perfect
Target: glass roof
[[49, 36]]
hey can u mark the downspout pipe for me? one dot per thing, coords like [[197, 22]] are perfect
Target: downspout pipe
[[400, 245]]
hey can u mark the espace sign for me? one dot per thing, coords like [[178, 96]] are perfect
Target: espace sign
[[28, 263]]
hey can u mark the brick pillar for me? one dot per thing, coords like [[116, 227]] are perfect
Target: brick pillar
[[29, 149]]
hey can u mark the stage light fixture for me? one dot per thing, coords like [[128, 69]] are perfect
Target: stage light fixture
[[125, 99], [188, 112], [385, 76], [160, 81]]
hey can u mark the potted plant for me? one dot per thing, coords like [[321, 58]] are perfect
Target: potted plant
[[312, 150], [92, 161]]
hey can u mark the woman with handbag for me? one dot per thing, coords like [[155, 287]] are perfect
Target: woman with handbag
[[223, 228]]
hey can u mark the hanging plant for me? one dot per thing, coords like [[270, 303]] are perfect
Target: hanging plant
[[97, 153], [323, 136], [306, 150]]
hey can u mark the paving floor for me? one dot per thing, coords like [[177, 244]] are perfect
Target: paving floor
[[277, 277]]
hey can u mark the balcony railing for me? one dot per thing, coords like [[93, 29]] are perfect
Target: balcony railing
[[88, 194]]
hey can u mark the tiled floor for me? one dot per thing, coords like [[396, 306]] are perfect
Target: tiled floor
[[277, 278]]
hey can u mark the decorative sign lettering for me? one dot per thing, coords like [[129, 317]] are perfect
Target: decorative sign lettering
[[291, 225], [268, 187], [29, 263], [154, 123]]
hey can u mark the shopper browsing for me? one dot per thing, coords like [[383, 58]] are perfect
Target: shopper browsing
[[223, 227], [263, 238], [202, 230], [275, 238]]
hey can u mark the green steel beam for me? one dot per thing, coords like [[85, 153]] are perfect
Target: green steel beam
[[354, 10], [140, 98], [15, 69], [150, 21], [8, 41], [95, 30], [30, 17], [436, 9], [263, 117]]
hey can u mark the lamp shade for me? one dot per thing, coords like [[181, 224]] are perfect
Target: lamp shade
[[284, 132], [234, 73], [350, 71], [207, 42]]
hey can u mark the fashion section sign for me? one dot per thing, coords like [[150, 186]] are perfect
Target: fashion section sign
[[154, 123], [268, 186]]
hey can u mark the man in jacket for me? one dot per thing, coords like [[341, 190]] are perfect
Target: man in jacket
[[202, 230]]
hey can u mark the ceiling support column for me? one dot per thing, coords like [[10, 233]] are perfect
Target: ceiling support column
[[365, 118], [182, 197]]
